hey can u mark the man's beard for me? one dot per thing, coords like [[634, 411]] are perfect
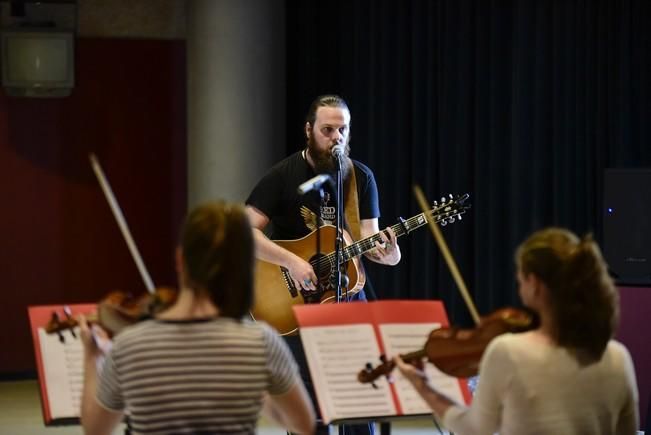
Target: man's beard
[[325, 162]]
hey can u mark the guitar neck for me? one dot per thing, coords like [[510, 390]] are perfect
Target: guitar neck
[[400, 229], [447, 210]]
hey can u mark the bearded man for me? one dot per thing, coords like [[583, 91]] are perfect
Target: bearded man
[[275, 200]]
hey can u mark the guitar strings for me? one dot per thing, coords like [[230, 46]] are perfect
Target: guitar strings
[[369, 242]]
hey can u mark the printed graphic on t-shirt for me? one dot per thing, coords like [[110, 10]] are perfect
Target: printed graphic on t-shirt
[[328, 210], [309, 217]]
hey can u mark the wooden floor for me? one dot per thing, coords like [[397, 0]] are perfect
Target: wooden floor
[[20, 414]]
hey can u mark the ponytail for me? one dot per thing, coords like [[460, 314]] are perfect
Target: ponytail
[[583, 299], [587, 304]]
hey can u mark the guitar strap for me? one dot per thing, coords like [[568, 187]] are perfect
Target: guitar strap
[[351, 207], [351, 212]]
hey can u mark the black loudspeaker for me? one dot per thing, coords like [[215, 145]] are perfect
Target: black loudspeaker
[[627, 225]]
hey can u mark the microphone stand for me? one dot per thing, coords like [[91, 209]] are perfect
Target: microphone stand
[[319, 223], [316, 183], [339, 241]]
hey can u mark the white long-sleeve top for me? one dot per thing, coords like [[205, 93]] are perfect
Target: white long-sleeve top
[[530, 386]]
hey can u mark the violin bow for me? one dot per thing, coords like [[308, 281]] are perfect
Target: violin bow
[[122, 223], [438, 236]]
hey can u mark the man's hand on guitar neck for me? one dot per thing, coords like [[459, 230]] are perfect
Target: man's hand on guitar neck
[[385, 252]]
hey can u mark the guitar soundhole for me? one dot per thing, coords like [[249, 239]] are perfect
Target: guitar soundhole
[[323, 268]]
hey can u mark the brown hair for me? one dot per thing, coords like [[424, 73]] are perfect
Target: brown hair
[[583, 298], [217, 244], [324, 101]]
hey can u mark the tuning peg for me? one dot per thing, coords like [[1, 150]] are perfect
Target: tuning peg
[[443, 199], [68, 312], [436, 203], [451, 219], [55, 321], [459, 216], [451, 197], [444, 222], [368, 368]]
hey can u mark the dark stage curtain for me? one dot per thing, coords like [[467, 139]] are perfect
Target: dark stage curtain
[[521, 104]]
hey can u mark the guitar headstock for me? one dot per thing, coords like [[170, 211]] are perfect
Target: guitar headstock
[[448, 210]]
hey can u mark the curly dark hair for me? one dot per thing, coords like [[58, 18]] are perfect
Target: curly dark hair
[[584, 301], [217, 245]]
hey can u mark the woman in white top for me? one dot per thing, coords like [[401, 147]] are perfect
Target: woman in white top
[[566, 377]]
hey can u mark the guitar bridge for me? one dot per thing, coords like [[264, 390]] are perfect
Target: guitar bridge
[[289, 282]]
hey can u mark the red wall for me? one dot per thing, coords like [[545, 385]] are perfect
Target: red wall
[[635, 306], [58, 240]]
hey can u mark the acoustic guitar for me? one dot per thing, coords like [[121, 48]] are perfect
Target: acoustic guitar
[[275, 292]]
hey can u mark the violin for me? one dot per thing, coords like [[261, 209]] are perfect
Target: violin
[[457, 352], [119, 310]]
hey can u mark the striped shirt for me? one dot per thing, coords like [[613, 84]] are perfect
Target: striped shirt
[[202, 376]]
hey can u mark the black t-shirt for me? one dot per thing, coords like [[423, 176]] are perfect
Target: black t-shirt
[[292, 215]]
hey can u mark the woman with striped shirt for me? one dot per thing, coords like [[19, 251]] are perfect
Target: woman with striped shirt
[[199, 367]]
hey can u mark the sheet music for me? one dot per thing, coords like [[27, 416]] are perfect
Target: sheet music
[[405, 338], [63, 365], [335, 355]]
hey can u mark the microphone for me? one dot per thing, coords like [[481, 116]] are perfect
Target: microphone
[[338, 151], [314, 183]]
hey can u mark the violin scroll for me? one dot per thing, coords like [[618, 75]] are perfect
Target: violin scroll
[[117, 311], [370, 374], [56, 325]]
